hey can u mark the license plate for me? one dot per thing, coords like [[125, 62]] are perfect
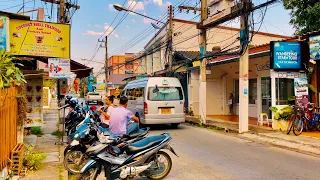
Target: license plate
[[165, 110]]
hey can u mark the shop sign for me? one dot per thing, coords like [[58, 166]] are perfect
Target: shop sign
[[285, 55], [34, 95], [314, 44], [300, 86], [4, 33], [39, 38], [289, 75], [59, 68], [262, 67]]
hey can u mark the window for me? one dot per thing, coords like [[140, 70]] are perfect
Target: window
[[284, 90], [165, 94], [252, 91], [135, 93]]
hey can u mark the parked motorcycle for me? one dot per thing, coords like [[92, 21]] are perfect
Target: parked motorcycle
[[87, 135], [141, 158]]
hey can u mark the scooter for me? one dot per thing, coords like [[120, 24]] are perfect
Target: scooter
[[141, 158], [88, 134]]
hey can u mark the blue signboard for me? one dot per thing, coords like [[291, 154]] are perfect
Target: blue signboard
[[90, 84], [286, 55]]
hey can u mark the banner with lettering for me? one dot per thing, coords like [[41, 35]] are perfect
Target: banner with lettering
[[285, 55], [59, 68], [39, 38]]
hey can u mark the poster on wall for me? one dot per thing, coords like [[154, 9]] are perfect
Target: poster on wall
[[4, 35], [285, 55], [314, 44], [46, 97], [39, 38], [301, 91], [129, 68], [59, 68], [34, 96]]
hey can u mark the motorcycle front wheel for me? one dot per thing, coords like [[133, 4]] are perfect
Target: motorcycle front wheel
[[91, 174], [74, 161], [161, 167]]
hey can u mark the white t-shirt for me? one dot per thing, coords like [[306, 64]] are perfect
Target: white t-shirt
[[103, 118]]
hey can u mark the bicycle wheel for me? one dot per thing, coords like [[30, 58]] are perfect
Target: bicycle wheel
[[298, 126], [292, 118]]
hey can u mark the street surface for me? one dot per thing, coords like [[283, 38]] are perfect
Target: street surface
[[209, 155]]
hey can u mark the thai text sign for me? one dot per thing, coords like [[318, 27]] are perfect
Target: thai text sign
[[285, 55], [59, 68], [39, 39]]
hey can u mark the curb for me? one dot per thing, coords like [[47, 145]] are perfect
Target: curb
[[294, 145]]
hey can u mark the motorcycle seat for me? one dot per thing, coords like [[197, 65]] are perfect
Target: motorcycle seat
[[144, 144], [140, 132]]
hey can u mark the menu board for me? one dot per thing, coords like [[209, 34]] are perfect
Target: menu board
[[34, 102]]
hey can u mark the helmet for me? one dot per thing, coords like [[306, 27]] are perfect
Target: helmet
[[73, 103]]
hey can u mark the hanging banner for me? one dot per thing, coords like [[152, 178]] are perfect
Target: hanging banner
[[59, 68], [314, 44], [4, 33], [39, 38], [301, 91], [300, 86]]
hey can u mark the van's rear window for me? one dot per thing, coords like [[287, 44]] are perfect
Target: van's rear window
[[165, 94]]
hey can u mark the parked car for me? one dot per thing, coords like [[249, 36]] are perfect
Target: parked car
[[92, 98], [156, 100]]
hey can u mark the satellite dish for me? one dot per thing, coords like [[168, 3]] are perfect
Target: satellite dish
[[155, 26]]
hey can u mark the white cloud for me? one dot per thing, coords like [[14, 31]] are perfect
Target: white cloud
[[133, 20], [97, 26], [108, 29], [117, 35], [135, 6], [159, 2], [93, 33], [147, 21]]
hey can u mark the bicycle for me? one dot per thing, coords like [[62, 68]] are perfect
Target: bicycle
[[293, 117], [309, 119]]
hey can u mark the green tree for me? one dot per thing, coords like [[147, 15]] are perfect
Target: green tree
[[305, 15]]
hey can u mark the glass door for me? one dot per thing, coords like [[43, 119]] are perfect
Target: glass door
[[266, 95]]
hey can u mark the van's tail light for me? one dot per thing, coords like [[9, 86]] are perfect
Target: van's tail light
[[145, 107]]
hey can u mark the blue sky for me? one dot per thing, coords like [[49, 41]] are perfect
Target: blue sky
[[95, 16]]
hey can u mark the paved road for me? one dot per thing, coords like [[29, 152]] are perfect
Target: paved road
[[208, 155]]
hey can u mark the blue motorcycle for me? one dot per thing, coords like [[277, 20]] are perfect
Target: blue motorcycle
[[141, 158]]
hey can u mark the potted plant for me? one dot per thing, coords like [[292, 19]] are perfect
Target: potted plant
[[282, 114]]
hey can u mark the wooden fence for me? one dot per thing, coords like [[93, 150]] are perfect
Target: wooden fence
[[8, 123]]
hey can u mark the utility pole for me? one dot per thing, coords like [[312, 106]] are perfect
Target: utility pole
[[203, 65], [107, 67], [244, 74], [170, 37], [61, 12]]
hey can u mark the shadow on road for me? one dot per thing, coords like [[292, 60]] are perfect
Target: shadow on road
[[164, 127]]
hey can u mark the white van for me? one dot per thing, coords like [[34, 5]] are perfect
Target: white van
[[157, 100]]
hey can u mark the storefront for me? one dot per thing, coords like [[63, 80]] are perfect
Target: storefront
[[268, 86]]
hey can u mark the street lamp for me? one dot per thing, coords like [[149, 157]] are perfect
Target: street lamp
[[118, 7]]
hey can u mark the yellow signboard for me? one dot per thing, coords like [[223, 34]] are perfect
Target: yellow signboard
[[36, 38]]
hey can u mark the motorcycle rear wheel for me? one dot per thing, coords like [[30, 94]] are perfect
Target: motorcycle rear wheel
[[167, 168], [74, 161], [90, 174]]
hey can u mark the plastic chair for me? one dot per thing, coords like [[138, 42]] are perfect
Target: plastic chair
[[264, 119]]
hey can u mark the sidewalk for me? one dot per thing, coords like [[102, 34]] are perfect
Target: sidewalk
[[303, 143]]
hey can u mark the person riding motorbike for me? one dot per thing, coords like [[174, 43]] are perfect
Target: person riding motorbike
[[120, 123]]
